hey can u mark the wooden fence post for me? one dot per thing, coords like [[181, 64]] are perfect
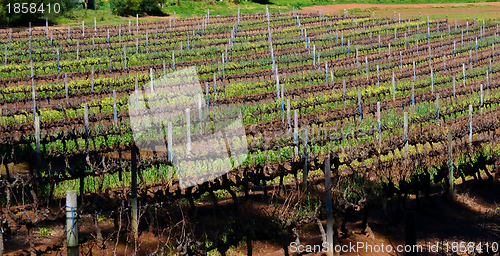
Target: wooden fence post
[[328, 202], [405, 128], [125, 57], [296, 132], [470, 124], [437, 108], [71, 223], [454, 87], [133, 197], [360, 109], [305, 156], [378, 123], [92, 83], [412, 94], [115, 112], [169, 141], [288, 117], [451, 192], [66, 87]]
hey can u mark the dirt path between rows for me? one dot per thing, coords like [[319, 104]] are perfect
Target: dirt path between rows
[[452, 7]]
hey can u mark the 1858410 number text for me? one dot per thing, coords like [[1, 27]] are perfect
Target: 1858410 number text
[[33, 8]]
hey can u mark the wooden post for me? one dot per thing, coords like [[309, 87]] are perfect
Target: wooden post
[[173, 59], [125, 57], [71, 223], [86, 117], [57, 53], [412, 94], [437, 108], [331, 76], [444, 63], [215, 86], [319, 60], [481, 91], [223, 66], [151, 76], [66, 87], [451, 192], [169, 141], [277, 84], [133, 196], [33, 93], [282, 103], [357, 60], [92, 83], [83, 29], [30, 47], [470, 124], [432, 81], [360, 110], [288, 117], [405, 128], [367, 71], [314, 55], [418, 54], [378, 76], [343, 91], [326, 73], [328, 202], [400, 60], [454, 86], [378, 122], [37, 139], [414, 71], [115, 112], [208, 99], [305, 156], [389, 49], [77, 49], [296, 131], [463, 72]]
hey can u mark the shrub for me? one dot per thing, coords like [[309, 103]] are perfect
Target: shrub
[[133, 7], [23, 18]]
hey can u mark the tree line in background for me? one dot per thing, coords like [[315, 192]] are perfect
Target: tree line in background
[[133, 7], [67, 7], [20, 17]]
